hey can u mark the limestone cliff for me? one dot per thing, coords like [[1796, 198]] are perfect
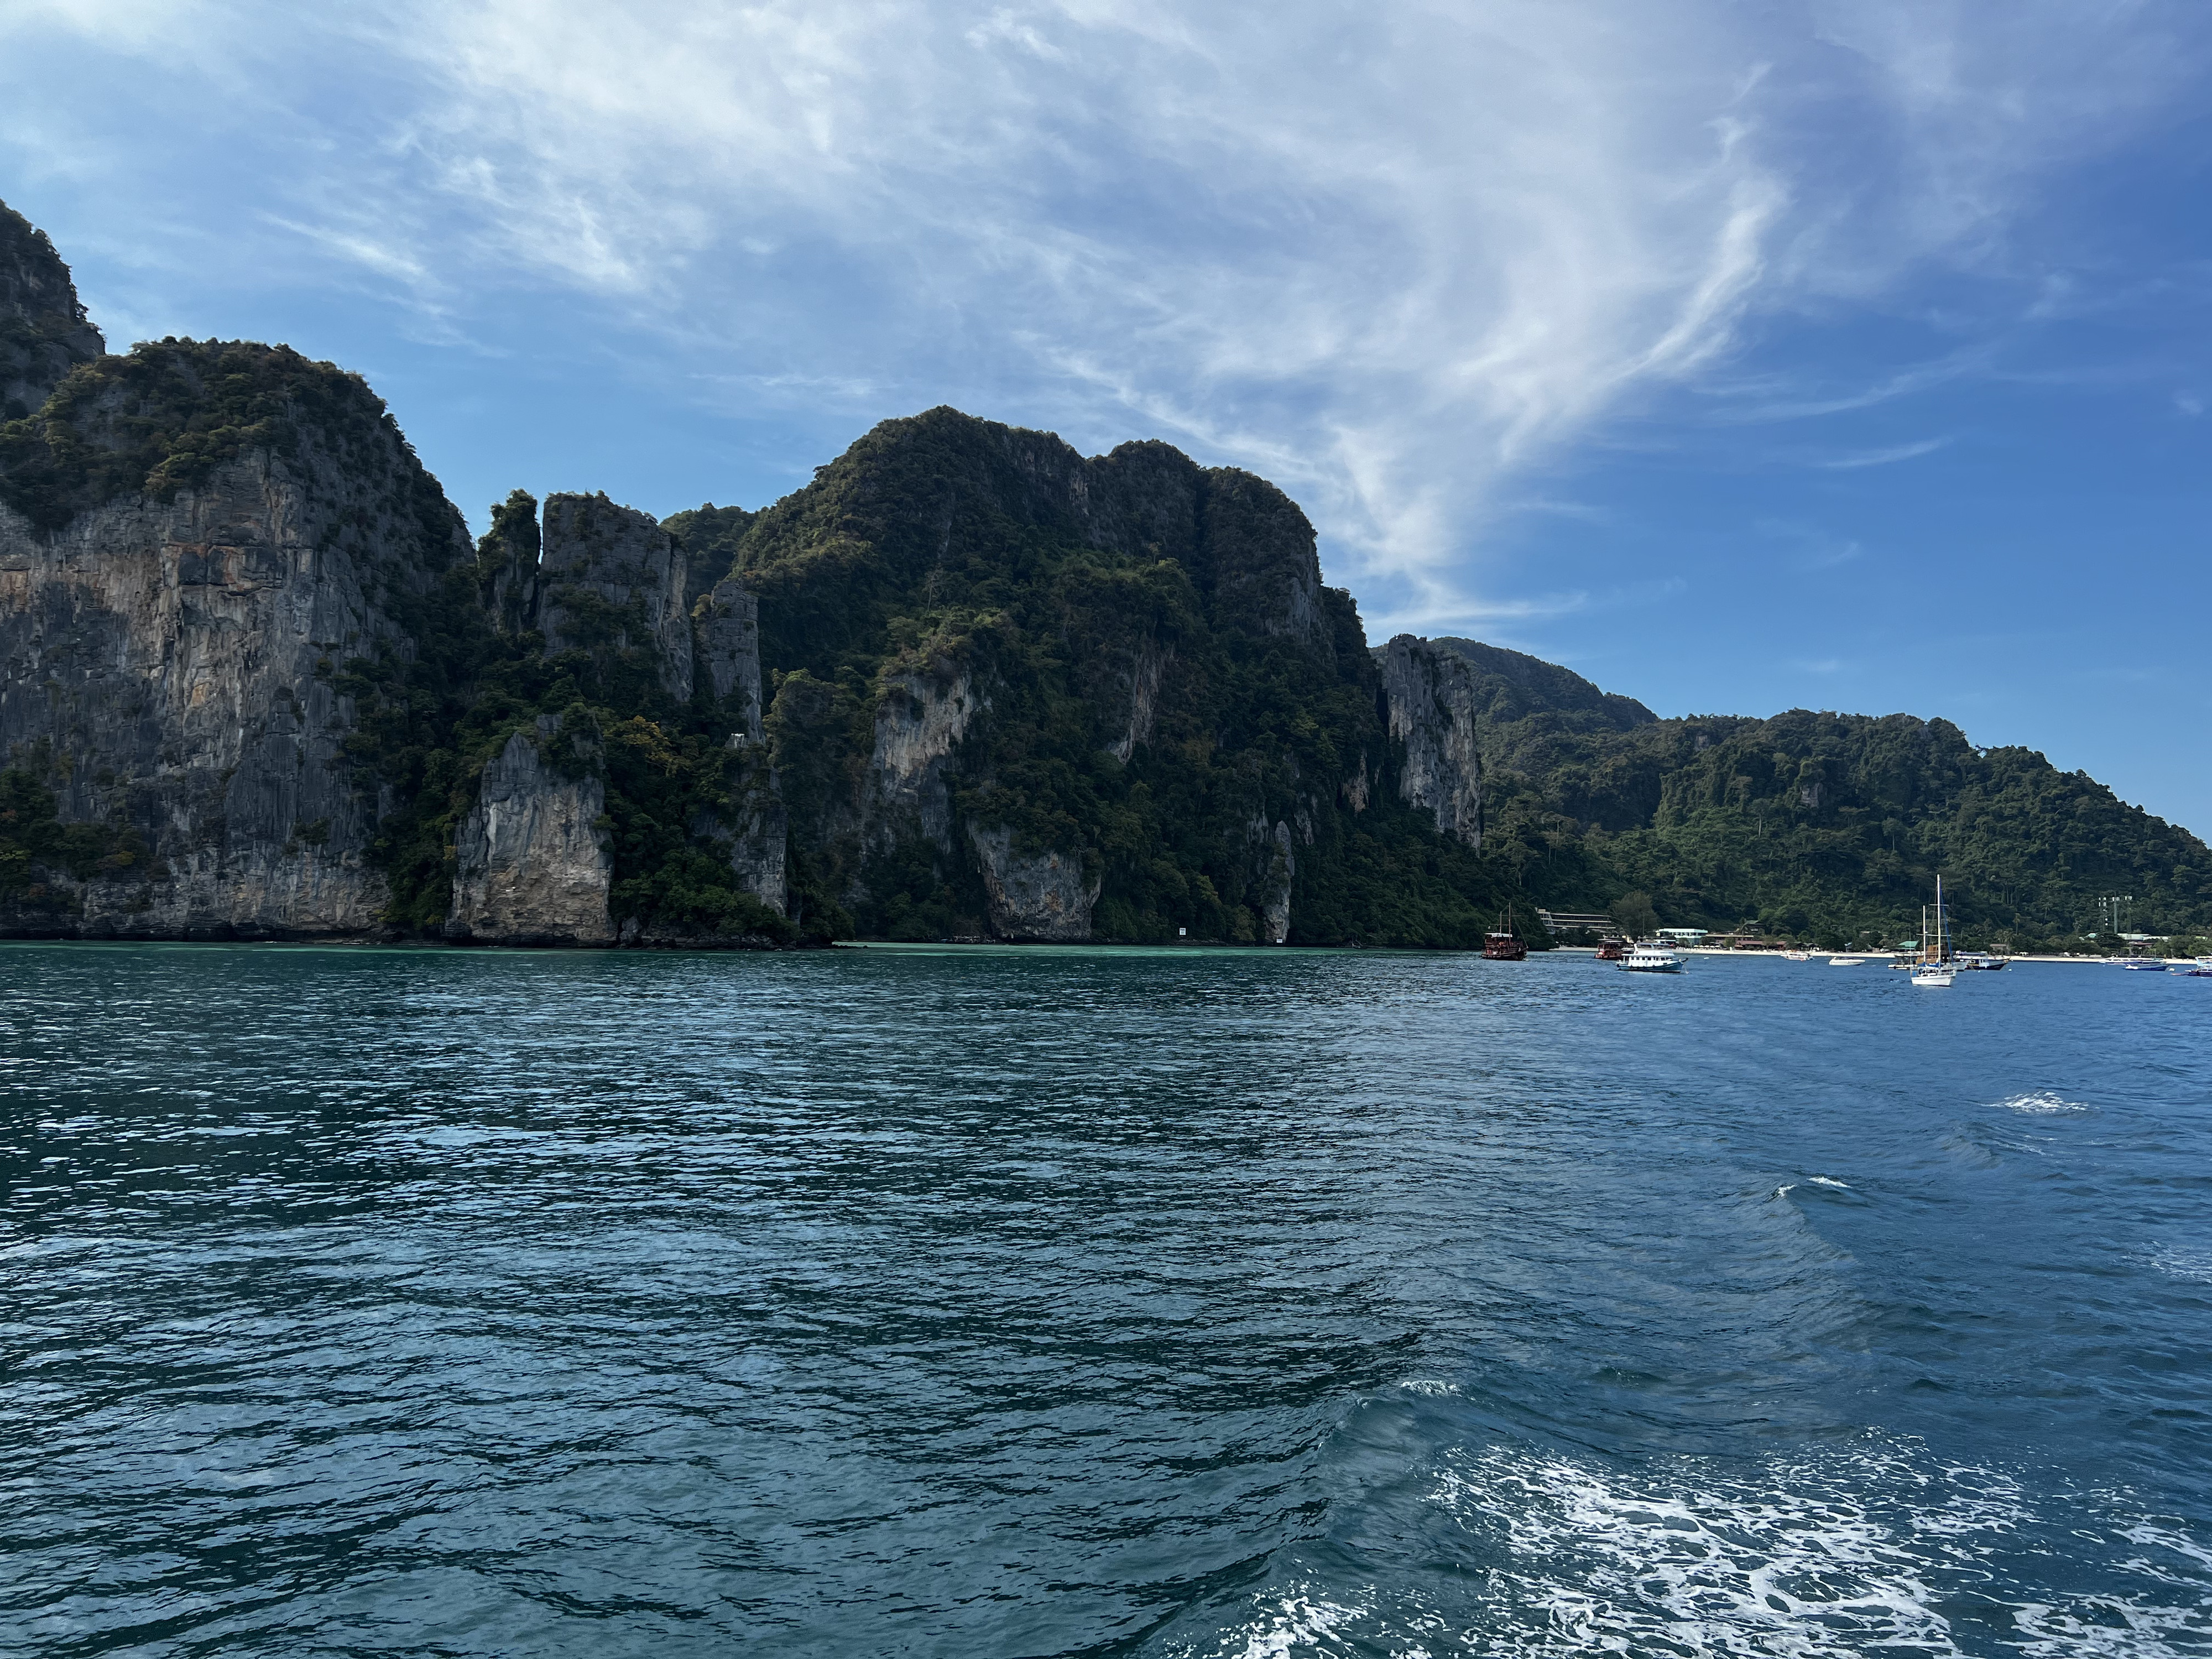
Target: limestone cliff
[[592, 628], [976, 641], [1430, 692], [533, 865], [1040, 898], [169, 658], [255, 682], [729, 649], [610, 579], [921, 715], [44, 332]]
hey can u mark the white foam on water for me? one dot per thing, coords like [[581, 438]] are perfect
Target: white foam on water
[[2167, 1538], [1428, 1385], [1842, 1557], [1829, 1180], [1297, 1623], [2194, 1265], [2042, 1104]]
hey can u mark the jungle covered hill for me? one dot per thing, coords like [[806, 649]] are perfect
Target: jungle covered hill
[[978, 646], [1823, 827]]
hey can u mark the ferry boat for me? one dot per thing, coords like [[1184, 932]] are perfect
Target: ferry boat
[[1612, 950], [1504, 945], [1644, 957], [1980, 962]]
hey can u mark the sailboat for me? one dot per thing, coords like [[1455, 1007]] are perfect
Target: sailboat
[[1936, 967]]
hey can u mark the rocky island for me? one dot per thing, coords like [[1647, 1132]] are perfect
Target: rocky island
[[257, 681]]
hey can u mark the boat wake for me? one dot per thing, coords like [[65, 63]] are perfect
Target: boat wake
[[1878, 1549]]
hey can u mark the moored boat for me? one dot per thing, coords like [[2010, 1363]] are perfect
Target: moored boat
[[1646, 957], [1504, 945], [1936, 970]]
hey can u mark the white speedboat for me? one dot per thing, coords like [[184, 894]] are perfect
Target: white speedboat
[[1645, 958], [1797, 955], [1846, 962]]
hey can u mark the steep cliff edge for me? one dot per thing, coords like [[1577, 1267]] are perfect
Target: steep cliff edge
[[532, 864], [575, 626], [1430, 694], [191, 538], [611, 582], [44, 331], [255, 682], [1016, 692]]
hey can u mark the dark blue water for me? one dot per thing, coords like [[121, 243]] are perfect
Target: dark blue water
[[1025, 1302]]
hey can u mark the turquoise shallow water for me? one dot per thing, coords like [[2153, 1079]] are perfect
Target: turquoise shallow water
[[1031, 1302]]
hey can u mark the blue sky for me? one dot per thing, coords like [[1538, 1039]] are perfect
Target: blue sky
[[1843, 355]]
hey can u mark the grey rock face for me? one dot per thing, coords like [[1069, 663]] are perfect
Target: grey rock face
[[919, 721], [1045, 899], [728, 623], [44, 332], [754, 834], [760, 842], [729, 648], [610, 578], [533, 865], [1431, 696], [1278, 876], [177, 662], [1357, 788], [1148, 664]]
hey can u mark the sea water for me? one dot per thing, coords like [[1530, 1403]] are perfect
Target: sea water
[[1027, 1302]]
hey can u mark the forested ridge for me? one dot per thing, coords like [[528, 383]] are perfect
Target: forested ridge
[[1817, 825]]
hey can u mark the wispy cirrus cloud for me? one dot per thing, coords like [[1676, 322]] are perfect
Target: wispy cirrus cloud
[[1402, 260], [1888, 456]]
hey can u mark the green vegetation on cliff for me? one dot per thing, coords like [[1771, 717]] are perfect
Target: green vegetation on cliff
[[1148, 679], [33, 840], [428, 723], [165, 417], [44, 331]]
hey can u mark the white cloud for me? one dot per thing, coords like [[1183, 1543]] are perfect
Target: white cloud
[[1885, 456], [1397, 259]]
